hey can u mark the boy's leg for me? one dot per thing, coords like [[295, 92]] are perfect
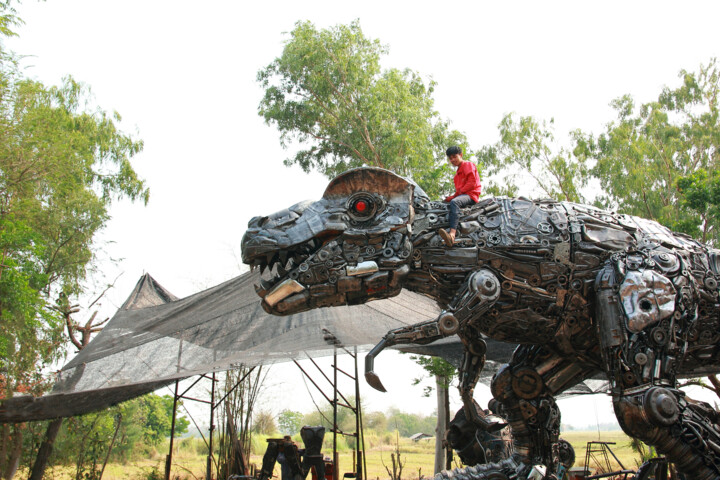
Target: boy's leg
[[456, 204]]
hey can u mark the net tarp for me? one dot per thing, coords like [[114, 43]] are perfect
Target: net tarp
[[156, 338]]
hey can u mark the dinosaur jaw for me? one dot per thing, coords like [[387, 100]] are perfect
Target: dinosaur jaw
[[329, 277], [280, 271]]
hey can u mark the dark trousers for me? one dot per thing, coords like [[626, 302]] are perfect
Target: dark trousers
[[461, 201]]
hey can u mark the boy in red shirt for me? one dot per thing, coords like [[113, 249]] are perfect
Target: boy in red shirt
[[467, 191]]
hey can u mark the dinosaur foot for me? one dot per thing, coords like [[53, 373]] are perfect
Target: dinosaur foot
[[508, 469]]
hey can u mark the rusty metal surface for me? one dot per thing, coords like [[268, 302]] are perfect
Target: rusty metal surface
[[584, 291]]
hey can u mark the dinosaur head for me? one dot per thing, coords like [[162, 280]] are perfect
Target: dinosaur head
[[349, 247]]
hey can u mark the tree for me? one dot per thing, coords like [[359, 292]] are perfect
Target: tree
[[264, 423], [290, 422], [138, 426], [240, 388], [156, 413], [527, 154], [328, 92], [62, 163], [67, 311], [647, 149], [700, 193], [443, 372], [376, 421]]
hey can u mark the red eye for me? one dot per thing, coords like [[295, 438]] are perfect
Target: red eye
[[362, 206]]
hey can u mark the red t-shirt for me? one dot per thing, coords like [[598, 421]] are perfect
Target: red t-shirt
[[467, 182]]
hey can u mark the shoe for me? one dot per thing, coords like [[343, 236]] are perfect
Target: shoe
[[447, 238]]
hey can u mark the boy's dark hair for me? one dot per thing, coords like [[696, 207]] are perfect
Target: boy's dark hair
[[453, 150]]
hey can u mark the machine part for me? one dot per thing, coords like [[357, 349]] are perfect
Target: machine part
[[527, 383], [282, 291], [641, 358], [659, 336], [537, 472], [566, 452], [364, 268], [661, 406], [647, 298], [448, 324]]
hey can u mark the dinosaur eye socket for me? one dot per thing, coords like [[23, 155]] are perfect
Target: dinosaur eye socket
[[362, 206]]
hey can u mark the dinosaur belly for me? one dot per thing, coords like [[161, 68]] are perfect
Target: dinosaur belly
[[519, 326]]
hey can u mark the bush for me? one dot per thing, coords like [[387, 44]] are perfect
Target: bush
[[191, 446]]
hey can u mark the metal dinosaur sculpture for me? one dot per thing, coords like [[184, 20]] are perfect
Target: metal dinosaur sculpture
[[583, 291]]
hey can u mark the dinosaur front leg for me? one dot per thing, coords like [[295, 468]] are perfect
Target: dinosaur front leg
[[479, 293], [420, 333]]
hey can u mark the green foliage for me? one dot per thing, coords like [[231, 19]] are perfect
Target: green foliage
[[153, 473], [376, 421], [645, 152], [83, 441], [290, 422], [8, 19], [526, 154], [700, 193], [327, 90], [61, 165], [657, 160], [409, 424], [324, 417], [157, 418], [437, 367]]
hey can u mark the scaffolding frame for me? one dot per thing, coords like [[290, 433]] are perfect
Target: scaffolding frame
[[337, 400], [213, 405], [600, 453], [359, 462]]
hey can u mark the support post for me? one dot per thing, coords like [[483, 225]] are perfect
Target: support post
[[336, 467], [358, 430], [212, 427], [168, 459], [442, 399]]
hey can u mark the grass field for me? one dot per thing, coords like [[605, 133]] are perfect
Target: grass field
[[417, 459]]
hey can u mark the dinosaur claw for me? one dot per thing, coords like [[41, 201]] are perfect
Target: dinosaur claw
[[374, 381]]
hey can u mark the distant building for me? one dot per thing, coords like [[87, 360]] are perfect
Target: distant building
[[419, 436]]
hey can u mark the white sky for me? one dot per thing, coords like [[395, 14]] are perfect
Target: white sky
[[182, 74]]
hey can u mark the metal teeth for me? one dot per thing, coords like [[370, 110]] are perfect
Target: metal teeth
[[278, 264]]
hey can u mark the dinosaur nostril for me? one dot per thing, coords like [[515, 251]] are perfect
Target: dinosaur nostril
[[257, 222]]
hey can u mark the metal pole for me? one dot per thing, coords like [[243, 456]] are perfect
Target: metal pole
[[168, 459], [358, 428], [212, 427], [336, 467]]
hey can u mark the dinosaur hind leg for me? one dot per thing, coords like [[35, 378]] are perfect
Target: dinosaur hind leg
[[683, 430], [526, 388]]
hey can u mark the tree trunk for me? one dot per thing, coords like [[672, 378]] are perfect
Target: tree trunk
[[441, 385], [448, 448], [4, 446], [14, 458], [45, 450]]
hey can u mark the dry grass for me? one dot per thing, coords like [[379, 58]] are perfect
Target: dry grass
[[417, 459]]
